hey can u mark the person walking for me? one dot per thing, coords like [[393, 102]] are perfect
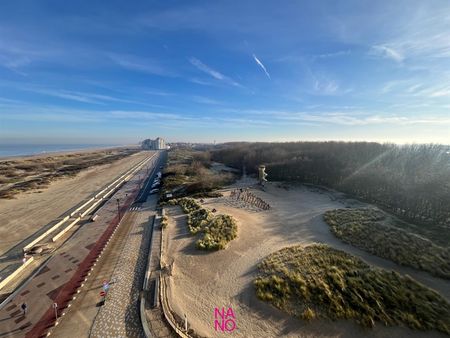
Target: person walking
[[24, 308]]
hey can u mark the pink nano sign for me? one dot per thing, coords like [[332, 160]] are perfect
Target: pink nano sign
[[224, 321]]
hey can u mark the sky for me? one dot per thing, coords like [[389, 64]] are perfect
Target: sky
[[117, 72]]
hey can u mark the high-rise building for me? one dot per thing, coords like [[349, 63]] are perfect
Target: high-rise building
[[157, 144], [160, 143]]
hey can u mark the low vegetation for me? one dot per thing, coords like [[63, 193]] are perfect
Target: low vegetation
[[319, 281], [38, 172], [372, 230], [189, 173], [217, 230], [164, 221]]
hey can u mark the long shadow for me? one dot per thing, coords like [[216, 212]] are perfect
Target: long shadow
[[182, 232]]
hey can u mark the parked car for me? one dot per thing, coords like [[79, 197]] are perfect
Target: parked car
[[154, 191]]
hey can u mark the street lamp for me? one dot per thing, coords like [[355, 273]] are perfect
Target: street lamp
[[118, 207]]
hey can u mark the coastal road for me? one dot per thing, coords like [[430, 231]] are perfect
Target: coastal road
[[44, 289]]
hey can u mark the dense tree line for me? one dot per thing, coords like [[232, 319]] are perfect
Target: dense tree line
[[412, 181]]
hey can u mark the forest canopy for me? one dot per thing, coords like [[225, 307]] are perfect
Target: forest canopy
[[412, 181]]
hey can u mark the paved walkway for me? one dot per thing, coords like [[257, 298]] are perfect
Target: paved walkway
[[155, 317], [41, 291], [79, 318], [120, 317]]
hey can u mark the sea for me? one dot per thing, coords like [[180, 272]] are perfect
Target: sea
[[9, 150]]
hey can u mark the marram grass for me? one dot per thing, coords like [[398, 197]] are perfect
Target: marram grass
[[370, 230], [319, 281]]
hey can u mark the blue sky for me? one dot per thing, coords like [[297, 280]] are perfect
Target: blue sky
[[120, 71]]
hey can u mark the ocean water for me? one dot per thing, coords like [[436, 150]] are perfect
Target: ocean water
[[7, 150]]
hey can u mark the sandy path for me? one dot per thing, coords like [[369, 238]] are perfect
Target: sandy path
[[24, 215], [203, 281]]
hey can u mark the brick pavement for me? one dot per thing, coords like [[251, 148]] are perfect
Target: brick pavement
[[119, 316]]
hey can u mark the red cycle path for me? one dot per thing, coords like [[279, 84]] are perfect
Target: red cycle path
[[65, 271]]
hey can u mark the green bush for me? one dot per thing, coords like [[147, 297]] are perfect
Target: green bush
[[338, 285], [217, 230], [369, 230]]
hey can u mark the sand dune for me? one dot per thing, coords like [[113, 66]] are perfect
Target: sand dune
[[202, 281]]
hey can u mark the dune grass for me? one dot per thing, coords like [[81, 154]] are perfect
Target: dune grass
[[318, 281], [22, 175], [369, 230], [217, 230]]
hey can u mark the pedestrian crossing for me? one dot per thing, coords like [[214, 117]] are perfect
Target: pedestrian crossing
[[135, 208]]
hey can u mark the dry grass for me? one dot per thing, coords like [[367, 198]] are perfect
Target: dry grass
[[188, 173], [36, 173], [319, 281], [367, 229], [164, 222], [217, 230]]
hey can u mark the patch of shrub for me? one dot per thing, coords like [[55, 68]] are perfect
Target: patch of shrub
[[319, 281], [217, 230], [369, 229], [164, 222]]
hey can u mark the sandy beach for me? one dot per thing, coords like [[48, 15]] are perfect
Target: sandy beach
[[203, 281], [27, 212]]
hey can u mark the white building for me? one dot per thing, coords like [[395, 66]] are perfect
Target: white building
[[160, 143], [157, 144]]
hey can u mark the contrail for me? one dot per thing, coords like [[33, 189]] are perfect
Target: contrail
[[261, 65]]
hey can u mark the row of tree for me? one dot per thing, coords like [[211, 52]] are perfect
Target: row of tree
[[412, 181]]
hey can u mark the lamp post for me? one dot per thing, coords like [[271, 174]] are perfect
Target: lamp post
[[118, 207]]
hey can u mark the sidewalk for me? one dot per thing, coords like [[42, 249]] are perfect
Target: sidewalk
[[120, 317]]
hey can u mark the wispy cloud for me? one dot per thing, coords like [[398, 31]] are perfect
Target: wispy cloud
[[73, 96], [441, 93], [356, 118], [79, 96], [212, 72], [350, 120], [158, 93], [422, 91], [327, 87], [387, 52], [396, 85], [201, 82], [144, 115], [139, 64], [205, 100], [259, 63], [332, 55]]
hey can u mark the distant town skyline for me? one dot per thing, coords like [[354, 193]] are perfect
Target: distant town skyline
[[120, 72]]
